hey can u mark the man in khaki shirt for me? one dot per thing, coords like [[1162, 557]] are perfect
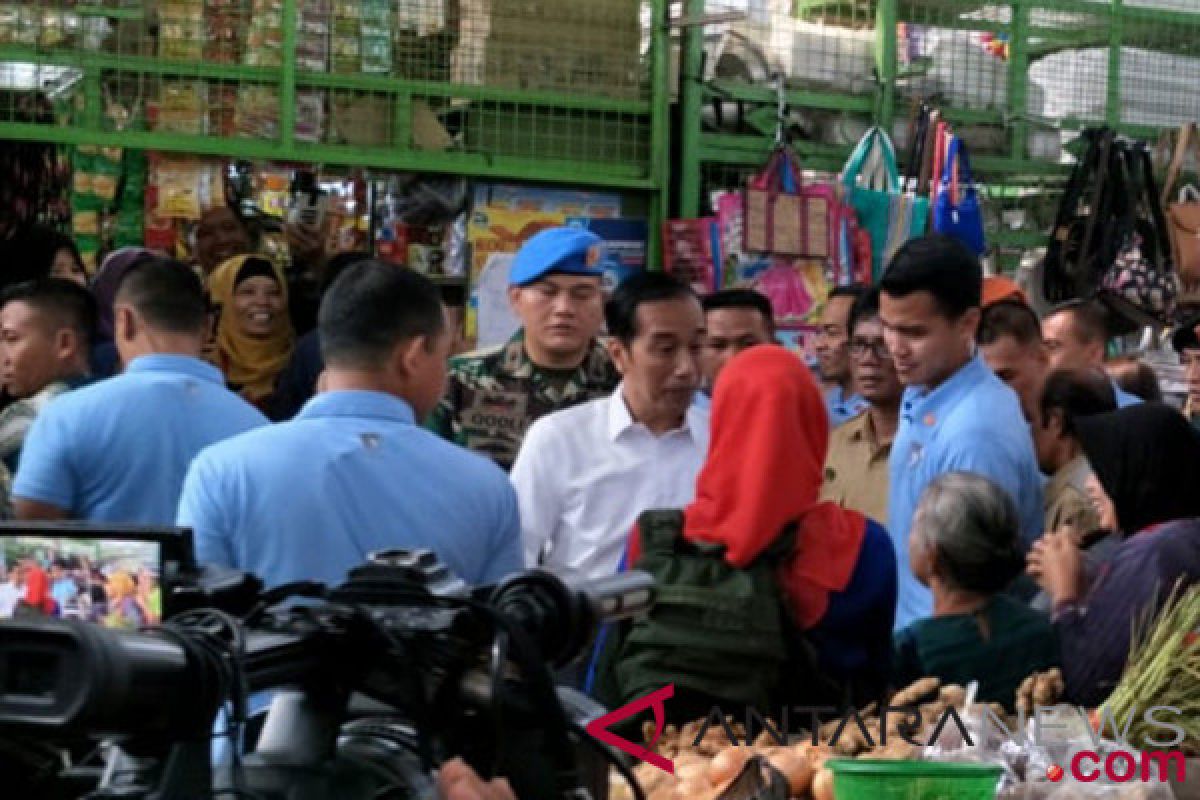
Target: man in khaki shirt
[[1067, 394], [856, 468]]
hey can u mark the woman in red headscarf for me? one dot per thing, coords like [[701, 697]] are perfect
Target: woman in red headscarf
[[765, 466]]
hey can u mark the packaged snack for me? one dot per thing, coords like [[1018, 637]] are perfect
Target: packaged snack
[[257, 114], [183, 107]]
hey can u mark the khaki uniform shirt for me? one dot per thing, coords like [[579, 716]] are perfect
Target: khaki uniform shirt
[[856, 469], [1066, 498], [493, 396]]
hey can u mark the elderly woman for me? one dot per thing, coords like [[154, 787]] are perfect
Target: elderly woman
[[254, 339], [966, 547], [1146, 490]]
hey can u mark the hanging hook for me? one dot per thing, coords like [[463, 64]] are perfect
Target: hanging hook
[[781, 118]]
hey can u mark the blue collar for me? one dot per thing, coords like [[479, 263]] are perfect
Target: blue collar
[[179, 364], [930, 402], [358, 403]]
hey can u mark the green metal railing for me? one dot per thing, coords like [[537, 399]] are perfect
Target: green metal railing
[[530, 90], [1068, 64]]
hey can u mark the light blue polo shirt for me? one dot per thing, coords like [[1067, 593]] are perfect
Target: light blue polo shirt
[[1124, 398], [970, 423], [117, 450], [843, 407], [309, 499]]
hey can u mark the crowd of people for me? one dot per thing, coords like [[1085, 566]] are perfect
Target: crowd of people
[[115, 595], [960, 488]]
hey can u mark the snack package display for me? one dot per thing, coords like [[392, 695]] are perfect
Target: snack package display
[[107, 185], [183, 30], [182, 108], [225, 21], [184, 188], [257, 112], [264, 39]]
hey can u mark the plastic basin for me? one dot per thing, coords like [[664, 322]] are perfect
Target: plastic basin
[[867, 779]]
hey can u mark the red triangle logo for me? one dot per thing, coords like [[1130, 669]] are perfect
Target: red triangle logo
[[599, 727]]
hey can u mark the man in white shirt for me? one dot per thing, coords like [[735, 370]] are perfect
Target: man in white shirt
[[10, 592], [583, 475]]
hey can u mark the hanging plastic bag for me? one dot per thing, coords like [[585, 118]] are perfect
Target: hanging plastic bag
[[872, 181], [956, 210]]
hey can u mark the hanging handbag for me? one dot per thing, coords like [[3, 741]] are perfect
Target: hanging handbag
[[1075, 249], [1139, 286], [786, 217], [956, 210], [1183, 214], [871, 182]]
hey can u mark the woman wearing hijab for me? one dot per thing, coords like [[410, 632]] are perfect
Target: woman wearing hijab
[[104, 289], [1146, 464], [254, 334], [768, 440]]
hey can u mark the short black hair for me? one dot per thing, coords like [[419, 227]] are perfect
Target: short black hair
[[940, 265], [1009, 318], [338, 264], [1136, 377], [1077, 393], [639, 288], [66, 303], [1089, 319], [852, 290], [864, 308], [167, 294], [372, 307], [741, 298]]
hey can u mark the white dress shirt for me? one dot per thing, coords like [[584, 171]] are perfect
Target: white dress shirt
[[584, 474]]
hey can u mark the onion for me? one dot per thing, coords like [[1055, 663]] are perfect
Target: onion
[[727, 763], [822, 786], [795, 768]]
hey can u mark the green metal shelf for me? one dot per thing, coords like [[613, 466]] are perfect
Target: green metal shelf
[[614, 138], [1113, 27]]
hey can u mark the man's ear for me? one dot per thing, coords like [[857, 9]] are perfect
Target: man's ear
[[125, 323], [66, 342], [618, 353], [514, 297], [1055, 422], [407, 355], [969, 322]]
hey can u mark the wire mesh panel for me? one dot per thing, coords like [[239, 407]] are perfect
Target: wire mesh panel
[[365, 81]]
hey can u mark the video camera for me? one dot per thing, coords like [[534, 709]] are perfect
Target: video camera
[[372, 685]]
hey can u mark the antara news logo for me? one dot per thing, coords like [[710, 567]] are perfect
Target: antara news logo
[[1162, 760]]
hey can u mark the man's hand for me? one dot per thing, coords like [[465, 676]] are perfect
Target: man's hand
[[457, 781], [1057, 565]]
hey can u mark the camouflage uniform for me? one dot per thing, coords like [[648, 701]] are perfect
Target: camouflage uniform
[[494, 395]]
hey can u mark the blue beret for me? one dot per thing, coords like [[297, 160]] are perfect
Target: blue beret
[[572, 251]]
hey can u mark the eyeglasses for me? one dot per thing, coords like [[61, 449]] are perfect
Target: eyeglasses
[[860, 347]]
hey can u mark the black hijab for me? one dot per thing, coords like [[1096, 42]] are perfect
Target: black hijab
[[1147, 458]]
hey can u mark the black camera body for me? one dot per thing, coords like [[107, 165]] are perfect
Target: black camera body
[[370, 685]]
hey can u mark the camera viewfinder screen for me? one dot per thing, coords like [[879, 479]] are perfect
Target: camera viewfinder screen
[[109, 582]]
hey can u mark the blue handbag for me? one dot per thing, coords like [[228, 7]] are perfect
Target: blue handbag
[[956, 211]]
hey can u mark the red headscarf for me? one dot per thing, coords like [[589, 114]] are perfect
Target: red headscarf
[[766, 459]]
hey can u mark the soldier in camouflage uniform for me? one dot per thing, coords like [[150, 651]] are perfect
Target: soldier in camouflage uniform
[[553, 362]]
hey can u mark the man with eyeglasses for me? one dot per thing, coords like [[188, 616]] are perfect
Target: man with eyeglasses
[[856, 468], [553, 362]]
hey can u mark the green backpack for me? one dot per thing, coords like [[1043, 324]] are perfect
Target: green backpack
[[714, 629]]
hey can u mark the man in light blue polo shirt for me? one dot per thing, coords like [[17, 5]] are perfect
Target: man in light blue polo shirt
[[1076, 335], [956, 415], [353, 473], [117, 450]]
